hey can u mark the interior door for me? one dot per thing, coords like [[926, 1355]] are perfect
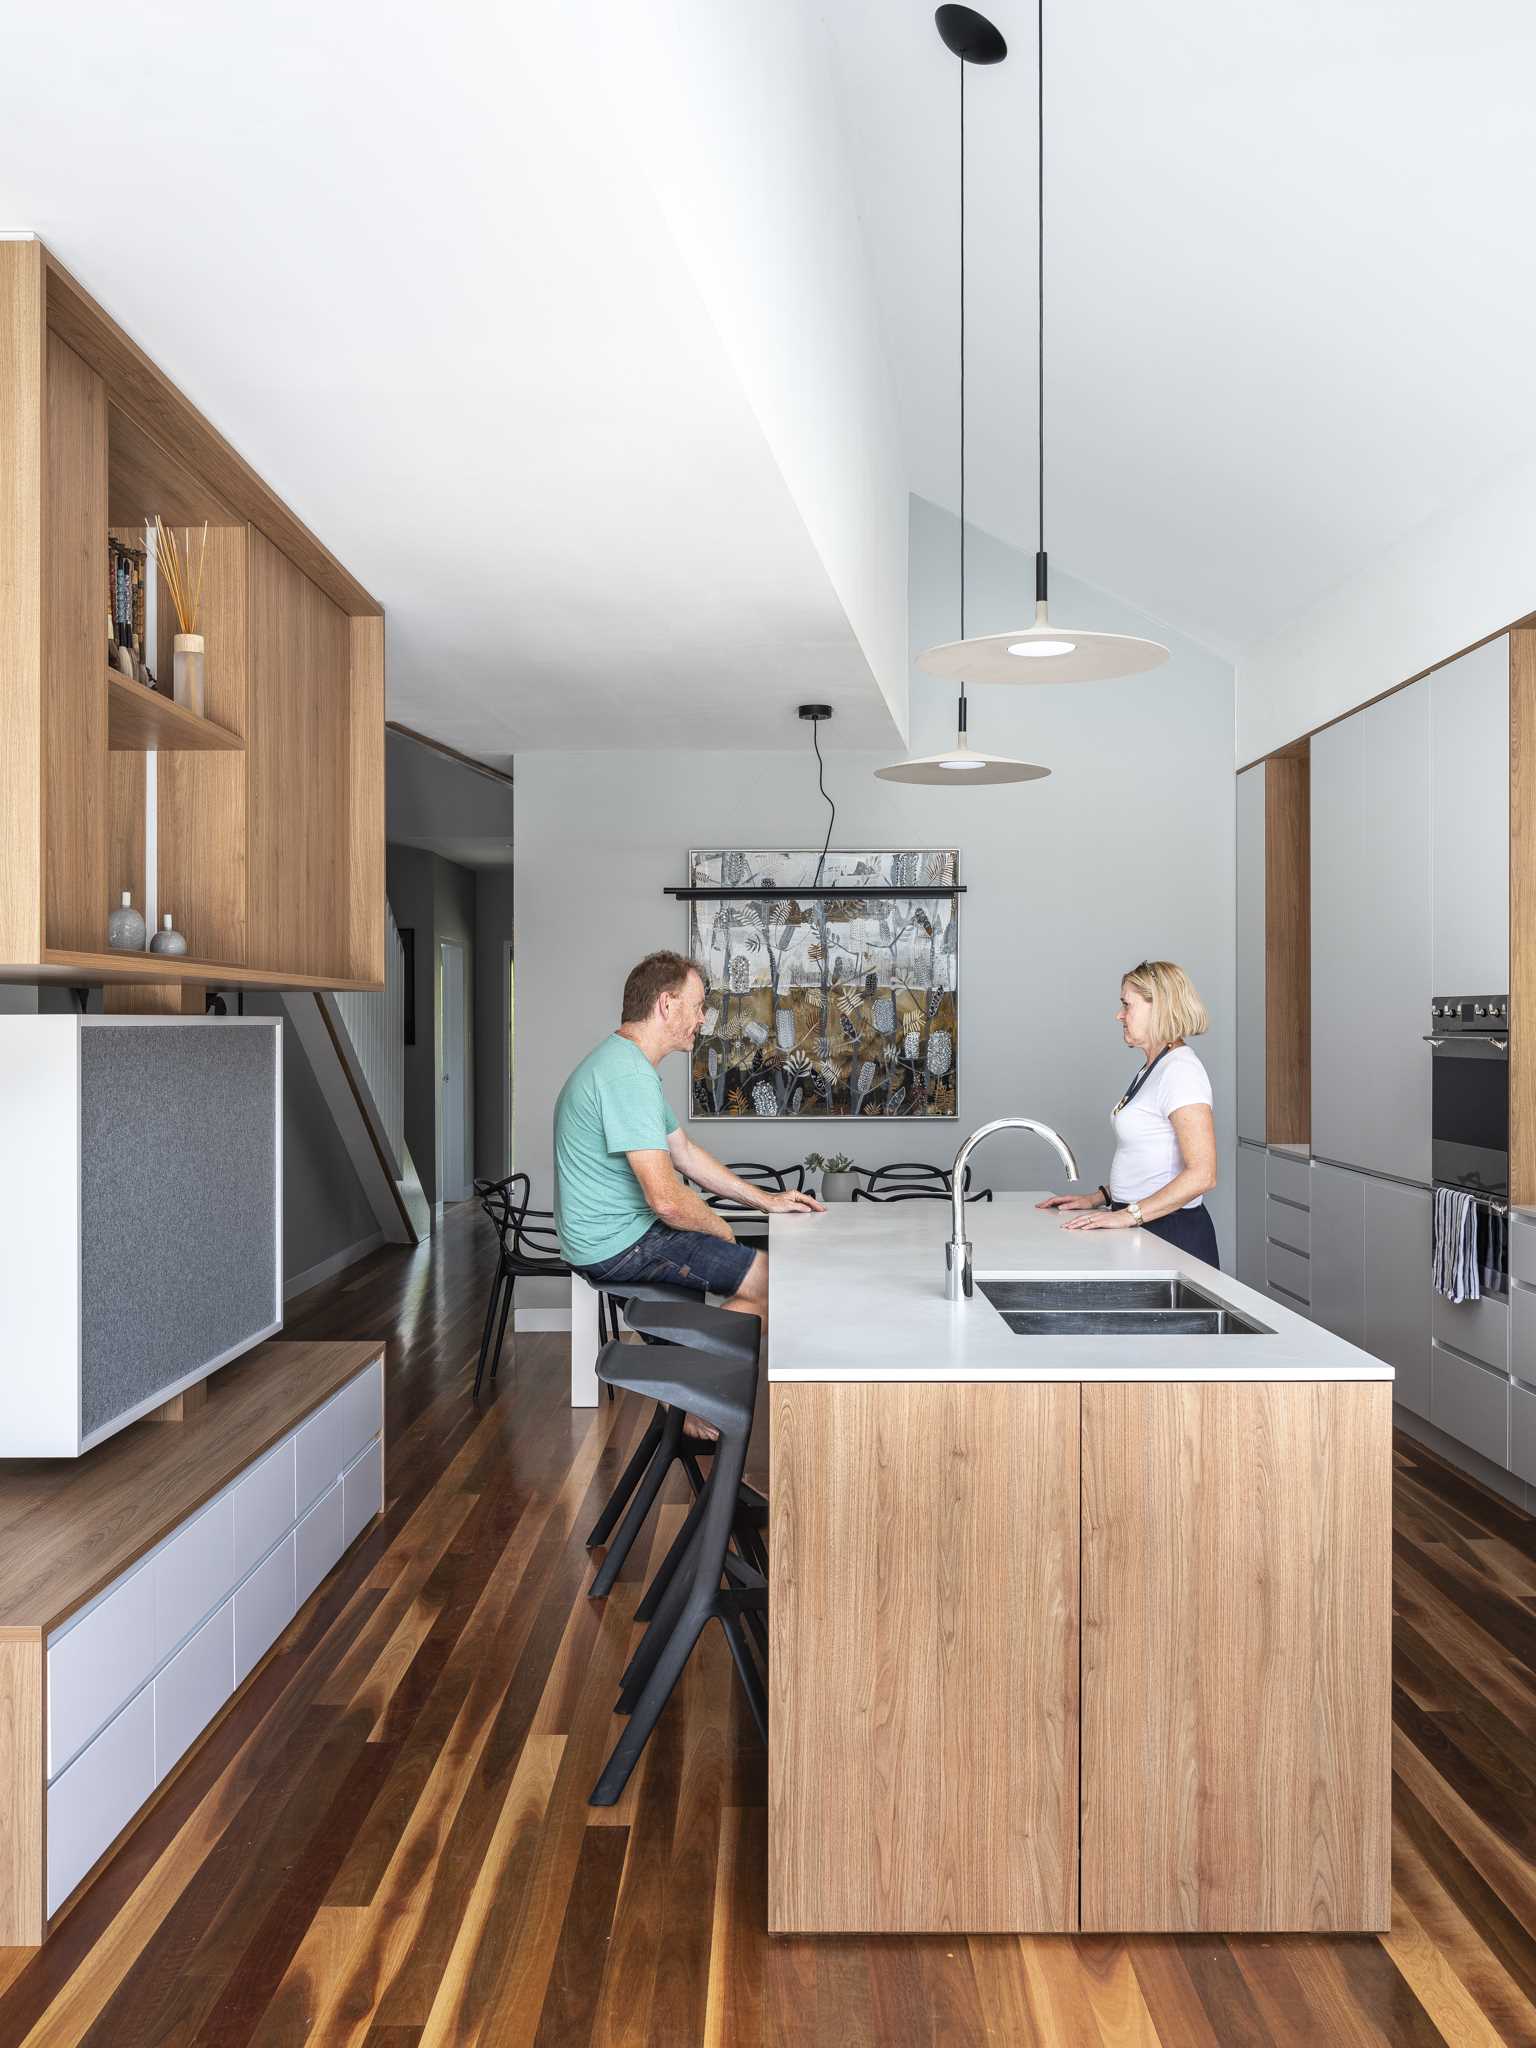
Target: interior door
[[453, 1096]]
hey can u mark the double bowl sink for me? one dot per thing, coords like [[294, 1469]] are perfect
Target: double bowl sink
[[1114, 1308]]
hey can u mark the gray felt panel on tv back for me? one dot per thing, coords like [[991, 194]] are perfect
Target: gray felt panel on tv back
[[179, 1204]]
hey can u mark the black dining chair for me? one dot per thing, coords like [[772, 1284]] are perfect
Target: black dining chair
[[527, 1249], [780, 1179], [914, 1181]]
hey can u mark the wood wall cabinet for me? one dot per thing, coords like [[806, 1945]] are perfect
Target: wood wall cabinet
[[1237, 1627], [270, 810]]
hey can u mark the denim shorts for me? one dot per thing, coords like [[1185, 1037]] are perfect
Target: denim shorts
[[680, 1258]]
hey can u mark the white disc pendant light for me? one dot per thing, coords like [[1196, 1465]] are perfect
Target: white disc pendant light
[[1041, 652], [973, 39]]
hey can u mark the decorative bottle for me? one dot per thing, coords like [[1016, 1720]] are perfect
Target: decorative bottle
[[125, 928], [168, 940]]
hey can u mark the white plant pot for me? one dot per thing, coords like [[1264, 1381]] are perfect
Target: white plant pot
[[837, 1187]]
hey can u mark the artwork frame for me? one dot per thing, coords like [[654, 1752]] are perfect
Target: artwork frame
[[826, 1010]]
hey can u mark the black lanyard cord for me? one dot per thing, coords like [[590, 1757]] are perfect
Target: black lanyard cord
[[1136, 1086]]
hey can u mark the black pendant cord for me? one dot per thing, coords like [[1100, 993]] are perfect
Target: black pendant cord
[[961, 727], [1040, 571], [832, 807]]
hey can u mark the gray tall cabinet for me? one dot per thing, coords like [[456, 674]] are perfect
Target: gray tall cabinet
[[1409, 886]]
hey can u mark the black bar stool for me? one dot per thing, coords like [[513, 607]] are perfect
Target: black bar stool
[[663, 1443], [721, 1389]]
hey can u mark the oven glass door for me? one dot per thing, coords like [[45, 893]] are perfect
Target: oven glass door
[[1470, 1116]]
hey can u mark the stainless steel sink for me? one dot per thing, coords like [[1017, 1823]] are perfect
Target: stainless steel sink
[[1122, 1307]]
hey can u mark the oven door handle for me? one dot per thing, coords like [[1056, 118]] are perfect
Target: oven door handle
[[1435, 1042]]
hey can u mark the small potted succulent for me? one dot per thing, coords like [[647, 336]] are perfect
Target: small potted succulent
[[836, 1175]]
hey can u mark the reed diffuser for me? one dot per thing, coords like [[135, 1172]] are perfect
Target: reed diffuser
[[187, 597]]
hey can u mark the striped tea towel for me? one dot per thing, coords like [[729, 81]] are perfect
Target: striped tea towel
[[1455, 1272]]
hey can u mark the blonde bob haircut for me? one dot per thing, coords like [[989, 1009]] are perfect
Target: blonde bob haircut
[[1177, 1011]]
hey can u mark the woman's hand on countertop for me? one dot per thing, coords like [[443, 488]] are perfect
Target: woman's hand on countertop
[[1069, 1201], [1101, 1219]]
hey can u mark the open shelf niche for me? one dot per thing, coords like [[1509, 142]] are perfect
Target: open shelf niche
[[267, 813]]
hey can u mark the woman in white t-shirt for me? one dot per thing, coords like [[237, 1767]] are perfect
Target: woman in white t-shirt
[[1165, 1135]]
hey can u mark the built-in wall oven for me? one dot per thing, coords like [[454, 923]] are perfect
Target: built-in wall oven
[[1469, 1117]]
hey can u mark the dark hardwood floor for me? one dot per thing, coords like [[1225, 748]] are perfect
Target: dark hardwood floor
[[386, 1841]]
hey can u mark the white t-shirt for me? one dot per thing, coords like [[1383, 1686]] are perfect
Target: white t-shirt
[[1147, 1154]]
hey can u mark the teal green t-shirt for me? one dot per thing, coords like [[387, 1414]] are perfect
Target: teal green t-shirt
[[611, 1105]]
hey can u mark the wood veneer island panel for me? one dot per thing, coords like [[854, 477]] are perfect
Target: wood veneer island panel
[[923, 1733], [1237, 1647]]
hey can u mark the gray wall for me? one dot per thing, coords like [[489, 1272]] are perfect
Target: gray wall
[[1125, 852], [494, 904], [324, 1208], [431, 800], [436, 899]]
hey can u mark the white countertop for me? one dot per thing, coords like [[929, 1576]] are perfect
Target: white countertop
[[858, 1294]]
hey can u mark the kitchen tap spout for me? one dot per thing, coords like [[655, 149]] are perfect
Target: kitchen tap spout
[[958, 1275]]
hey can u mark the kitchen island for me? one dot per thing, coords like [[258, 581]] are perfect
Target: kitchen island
[[1072, 1627]]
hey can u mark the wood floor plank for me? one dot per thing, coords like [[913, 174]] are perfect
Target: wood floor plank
[[385, 1843]]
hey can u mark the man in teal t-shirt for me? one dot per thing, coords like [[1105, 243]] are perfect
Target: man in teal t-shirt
[[621, 1211]]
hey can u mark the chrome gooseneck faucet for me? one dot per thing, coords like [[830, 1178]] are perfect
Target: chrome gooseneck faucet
[[958, 1277]]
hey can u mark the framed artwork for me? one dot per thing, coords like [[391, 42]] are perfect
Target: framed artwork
[[826, 1007]]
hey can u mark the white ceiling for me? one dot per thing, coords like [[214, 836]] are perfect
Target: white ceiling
[[404, 259], [410, 262], [1289, 287]]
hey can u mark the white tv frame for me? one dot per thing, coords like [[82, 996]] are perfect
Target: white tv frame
[[40, 1221]]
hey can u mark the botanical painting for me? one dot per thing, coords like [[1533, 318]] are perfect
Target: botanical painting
[[825, 1006]]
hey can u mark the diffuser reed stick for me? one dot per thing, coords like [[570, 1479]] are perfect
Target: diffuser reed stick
[[185, 597]]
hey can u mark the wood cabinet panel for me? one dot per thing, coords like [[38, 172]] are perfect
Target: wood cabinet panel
[[75, 613], [1287, 949], [203, 811], [299, 752], [1236, 1607], [1252, 1115], [23, 359], [923, 1734]]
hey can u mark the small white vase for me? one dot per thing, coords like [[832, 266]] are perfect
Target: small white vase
[[187, 671]]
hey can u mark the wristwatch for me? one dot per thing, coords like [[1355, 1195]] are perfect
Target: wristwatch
[[1133, 1210]]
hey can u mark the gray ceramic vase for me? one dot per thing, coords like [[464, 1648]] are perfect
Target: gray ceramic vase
[[169, 940]]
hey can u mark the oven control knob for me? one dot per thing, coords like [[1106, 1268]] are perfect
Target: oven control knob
[[1478, 1010]]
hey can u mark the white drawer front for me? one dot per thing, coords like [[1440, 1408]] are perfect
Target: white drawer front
[[192, 1688], [1480, 1328], [1522, 1249], [362, 1492], [317, 1453], [1471, 1404], [193, 1573], [94, 1666], [362, 1408], [316, 1545], [264, 1506], [1522, 1433], [1289, 1178], [263, 1607], [1288, 1271], [99, 1794], [1285, 1224]]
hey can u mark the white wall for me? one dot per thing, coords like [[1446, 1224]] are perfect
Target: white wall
[[1460, 577], [733, 116], [1126, 852]]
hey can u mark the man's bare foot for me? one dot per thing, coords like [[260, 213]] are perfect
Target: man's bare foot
[[704, 1432]]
